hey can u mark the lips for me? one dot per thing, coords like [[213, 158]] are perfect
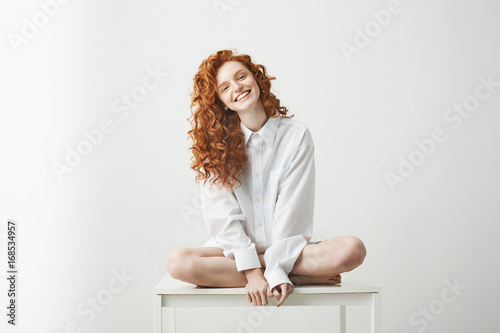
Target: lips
[[242, 95]]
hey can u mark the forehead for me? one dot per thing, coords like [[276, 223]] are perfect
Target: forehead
[[228, 69]]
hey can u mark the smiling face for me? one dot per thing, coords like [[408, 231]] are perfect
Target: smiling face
[[237, 87]]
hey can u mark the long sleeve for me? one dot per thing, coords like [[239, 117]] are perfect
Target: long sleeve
[[293, 215], [226, 225]]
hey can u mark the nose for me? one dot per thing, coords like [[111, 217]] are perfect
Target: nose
[[237, 87]]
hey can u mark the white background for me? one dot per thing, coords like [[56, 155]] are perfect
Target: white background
[[133, 199]]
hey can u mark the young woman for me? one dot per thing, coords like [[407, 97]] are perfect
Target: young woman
[[255, 166]]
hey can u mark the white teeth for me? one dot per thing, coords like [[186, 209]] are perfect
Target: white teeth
[[242, 95]]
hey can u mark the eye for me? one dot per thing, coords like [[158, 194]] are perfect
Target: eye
[[242, 77], [224, 89]]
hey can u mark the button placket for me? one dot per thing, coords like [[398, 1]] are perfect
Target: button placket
[[258, 187]]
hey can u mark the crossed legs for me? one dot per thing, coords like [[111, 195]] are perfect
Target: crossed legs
[[320, 263]]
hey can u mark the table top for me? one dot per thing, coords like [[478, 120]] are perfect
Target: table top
[[171, 286]]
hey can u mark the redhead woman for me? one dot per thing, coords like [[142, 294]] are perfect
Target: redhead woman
[[255, 167]]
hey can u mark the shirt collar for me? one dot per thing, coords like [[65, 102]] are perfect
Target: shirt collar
[[268, 131]]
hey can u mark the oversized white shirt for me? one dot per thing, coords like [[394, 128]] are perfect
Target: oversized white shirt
[[272, 211]]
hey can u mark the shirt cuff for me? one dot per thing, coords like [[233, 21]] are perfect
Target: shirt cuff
[[276, 277], [247, 259]]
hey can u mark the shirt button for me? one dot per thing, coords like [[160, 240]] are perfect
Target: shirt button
[[257, 150], [257, 199], [259, 224], [257, 175]]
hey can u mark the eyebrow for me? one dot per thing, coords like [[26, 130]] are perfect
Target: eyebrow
[[235, 74]]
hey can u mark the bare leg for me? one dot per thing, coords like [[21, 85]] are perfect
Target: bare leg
[[204, 266], [317, 264], [304, 279], [324, 262]]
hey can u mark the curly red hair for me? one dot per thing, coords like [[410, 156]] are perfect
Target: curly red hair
[[218, 141]]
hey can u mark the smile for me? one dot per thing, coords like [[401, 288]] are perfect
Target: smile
[[242, 96]]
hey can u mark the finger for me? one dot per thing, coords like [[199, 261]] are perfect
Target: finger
[[256, 297], [282, 299], [284, 291], [277, 294], [269, 293], [249, 298], [287, 290], [263, 297]]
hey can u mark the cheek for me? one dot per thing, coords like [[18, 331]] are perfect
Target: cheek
[[256, 87], [257, 91], [222, 98]]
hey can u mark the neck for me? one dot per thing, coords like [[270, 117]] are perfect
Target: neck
[[254, 118]]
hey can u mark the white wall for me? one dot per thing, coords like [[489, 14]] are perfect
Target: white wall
[[132, 199]]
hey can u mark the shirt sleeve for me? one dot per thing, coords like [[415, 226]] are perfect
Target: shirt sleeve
[[293, 215], [226, 225]]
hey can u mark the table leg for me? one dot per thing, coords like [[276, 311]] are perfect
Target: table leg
[[157, 313], [376, 313], [171, 320], [342, 319]]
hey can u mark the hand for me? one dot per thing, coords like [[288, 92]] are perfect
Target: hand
[[257, 288], [282, 291]]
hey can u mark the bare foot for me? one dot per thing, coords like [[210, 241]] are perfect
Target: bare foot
[[304, 279]]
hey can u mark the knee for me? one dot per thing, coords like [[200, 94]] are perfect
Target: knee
[[355, 252], [179, 264]]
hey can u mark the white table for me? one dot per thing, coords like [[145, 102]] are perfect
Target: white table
[[170, 294]]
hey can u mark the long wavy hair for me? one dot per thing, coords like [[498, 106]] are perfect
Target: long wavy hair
[[218, 141]]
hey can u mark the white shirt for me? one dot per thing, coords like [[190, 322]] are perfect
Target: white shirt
[[272, 211]]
